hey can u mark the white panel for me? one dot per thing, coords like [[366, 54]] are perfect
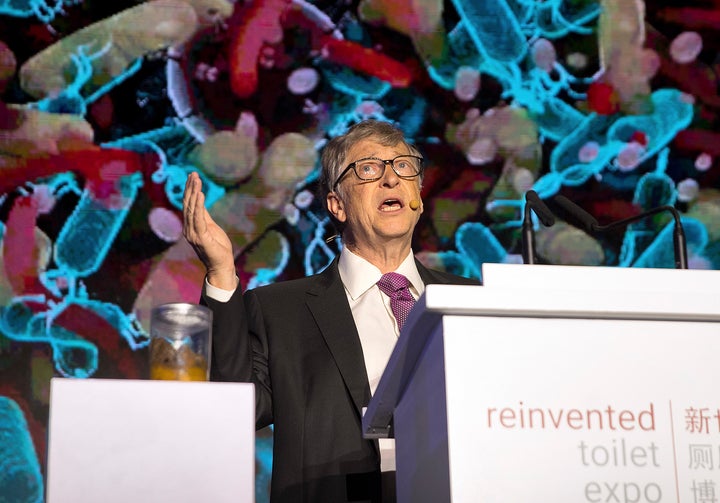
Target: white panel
[[149, 441], [651, 389], [600, 279], [492, 301]]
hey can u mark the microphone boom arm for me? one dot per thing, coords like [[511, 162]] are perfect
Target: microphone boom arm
[[679, 241], [591, 225], [533, 202]]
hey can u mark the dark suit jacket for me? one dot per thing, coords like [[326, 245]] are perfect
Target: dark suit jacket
[[297, 342]]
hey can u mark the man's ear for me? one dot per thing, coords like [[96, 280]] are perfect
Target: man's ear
[[336, 207]]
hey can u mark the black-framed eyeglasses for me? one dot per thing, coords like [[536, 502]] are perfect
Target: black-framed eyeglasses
[[370, 169]]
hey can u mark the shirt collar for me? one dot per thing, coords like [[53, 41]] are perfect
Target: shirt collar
[[358, 275]]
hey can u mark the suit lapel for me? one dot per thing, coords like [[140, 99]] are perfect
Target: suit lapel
[[328, 304], [327, 301]]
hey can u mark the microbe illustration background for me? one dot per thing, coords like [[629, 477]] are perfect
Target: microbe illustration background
[[106, 106]]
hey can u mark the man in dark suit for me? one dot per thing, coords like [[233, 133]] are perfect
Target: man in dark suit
[[315, 347]]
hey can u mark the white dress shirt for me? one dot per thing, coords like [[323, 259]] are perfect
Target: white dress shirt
[[375, 322]]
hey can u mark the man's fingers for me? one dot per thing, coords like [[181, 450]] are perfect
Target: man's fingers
[[188, 189], [193, 208], [198, 213]]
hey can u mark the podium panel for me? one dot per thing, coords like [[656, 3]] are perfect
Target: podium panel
[[581, 411], [139, 441], [502, 394]]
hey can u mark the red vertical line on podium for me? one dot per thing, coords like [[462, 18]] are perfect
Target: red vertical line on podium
[[675, 466]]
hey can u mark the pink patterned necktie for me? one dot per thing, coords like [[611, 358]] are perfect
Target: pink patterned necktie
[[395, 286]]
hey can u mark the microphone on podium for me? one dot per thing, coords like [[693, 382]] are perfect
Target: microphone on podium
[[591, 225], [533, 201]]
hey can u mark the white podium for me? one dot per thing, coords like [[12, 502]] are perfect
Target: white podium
[[120, 441], [551, 383]]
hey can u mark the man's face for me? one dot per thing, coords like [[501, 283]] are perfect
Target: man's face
[[376, 212]]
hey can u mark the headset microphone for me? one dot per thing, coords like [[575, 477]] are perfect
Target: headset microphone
[[414, 204]]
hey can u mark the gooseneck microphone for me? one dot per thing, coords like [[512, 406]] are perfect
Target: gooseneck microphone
[[591, 225], [533, 202]]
